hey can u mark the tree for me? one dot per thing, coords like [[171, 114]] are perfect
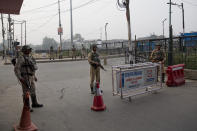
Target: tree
[[78, 38], [48, 42]]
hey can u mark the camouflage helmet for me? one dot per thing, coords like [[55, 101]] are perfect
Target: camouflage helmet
[[25, 48]]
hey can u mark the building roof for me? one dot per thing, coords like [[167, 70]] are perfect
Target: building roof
[[10, 6]]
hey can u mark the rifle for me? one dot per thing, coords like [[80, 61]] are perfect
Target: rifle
[[101, 66]]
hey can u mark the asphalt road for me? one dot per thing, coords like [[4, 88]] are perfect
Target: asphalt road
[[63, 88]]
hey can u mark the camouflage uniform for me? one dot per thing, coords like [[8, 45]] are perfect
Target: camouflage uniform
[[74, 53], [51, 52], [93, 58], [25, 69], [158, 56], [83, 52]]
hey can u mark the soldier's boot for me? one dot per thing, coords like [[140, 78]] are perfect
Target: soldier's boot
[[35, 102], [30, 109], [92, 90], [163, 77]]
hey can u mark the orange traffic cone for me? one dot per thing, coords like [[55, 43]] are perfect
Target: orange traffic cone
[[25, 122], [98, 104]]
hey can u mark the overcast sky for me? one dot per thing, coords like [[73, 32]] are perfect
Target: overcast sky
[[89, 20]]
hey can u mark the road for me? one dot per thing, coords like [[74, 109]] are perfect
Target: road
[[63, 88]]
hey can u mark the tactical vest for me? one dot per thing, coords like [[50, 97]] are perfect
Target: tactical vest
[[158, 55], [28, 67], [95, 58]]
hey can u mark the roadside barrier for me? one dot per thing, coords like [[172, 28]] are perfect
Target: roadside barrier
[[175, 75], [135, 79]]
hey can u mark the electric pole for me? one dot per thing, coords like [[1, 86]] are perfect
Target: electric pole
[[163, 22], [106, 31], [170, 49], [3, 35], [125, 4], [21, 34], [71, 22], [60, 31], [25, 33], [183, 15]]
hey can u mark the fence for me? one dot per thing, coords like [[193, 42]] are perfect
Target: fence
[[184, 50]]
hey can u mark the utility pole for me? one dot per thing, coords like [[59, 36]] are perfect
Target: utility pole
[[71, 22], [163, 22], [170, 49], [9, 32], [183, 15], [21, 34], [106, 31], [125, 4], [3, 35], [60, 30], [132, 60], [25, 33]]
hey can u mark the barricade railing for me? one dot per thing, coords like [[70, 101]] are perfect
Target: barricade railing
[[135, 79], [175, 75]]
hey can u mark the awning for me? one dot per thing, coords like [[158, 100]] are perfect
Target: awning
[[10, 6]]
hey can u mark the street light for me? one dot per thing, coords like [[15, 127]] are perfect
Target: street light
[[21, 23], [183, 19], [163, 22], [106, 31]]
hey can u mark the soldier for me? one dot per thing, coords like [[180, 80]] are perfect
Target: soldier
[[25, 69], [51, 52], [73, 52], [94, 61], [83, 52], [158, 56]]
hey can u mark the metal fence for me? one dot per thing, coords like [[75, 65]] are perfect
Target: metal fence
[[184, 50]]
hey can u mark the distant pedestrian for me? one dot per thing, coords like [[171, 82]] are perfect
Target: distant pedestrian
[[74, 52], [51, 53], [83, 52]]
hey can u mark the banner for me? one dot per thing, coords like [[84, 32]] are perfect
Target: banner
[[136, 78]]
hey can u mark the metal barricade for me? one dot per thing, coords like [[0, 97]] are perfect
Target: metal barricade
[[135, 79]]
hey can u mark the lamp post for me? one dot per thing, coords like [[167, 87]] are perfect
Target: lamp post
[[106, 31], [163, 22]]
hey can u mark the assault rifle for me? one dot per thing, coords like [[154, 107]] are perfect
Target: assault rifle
[[101, 66]]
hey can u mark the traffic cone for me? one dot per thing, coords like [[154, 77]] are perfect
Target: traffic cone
[[98, 104], [25, 122]]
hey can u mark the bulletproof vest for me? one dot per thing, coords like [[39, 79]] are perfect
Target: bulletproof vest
[[28, 67], [95, 58], [158, 55]]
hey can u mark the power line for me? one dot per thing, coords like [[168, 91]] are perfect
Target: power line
[[45, 6], [82, 5], [44, 24], [189, 3], [52, 16]]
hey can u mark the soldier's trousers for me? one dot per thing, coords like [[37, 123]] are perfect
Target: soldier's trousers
[[94, 72], [26, 89], [162, 68]]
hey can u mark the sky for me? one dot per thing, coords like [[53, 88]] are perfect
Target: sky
[[89, 20]]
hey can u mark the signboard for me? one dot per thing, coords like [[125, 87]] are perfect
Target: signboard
[[60, 31], [137, 78]]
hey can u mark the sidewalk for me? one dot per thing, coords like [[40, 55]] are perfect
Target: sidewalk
[[47, 60]]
